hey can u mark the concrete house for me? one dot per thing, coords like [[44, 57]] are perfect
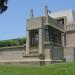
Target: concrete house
[[49, 39]]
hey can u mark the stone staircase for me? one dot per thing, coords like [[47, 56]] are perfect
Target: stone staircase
[[32, 53]]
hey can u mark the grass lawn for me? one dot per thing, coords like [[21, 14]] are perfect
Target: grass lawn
[[53, 69]]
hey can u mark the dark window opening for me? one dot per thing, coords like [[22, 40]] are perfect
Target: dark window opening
[[61, 20], [52, 35], [34, 38]]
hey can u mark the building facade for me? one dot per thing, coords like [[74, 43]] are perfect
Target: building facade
[[44, 38], [49, 39], [67, 17]]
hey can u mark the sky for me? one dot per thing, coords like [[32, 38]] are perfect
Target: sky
[[13, 21]]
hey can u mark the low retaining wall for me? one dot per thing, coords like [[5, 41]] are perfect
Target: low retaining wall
[[30, 62], [12, 53]]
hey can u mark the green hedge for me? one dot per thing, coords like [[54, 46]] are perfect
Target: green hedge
[[13, 42]]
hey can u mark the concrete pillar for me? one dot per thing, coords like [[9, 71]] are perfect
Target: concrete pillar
[[46, 15], [40, 41], [46, 11], [27, 43], [31, 13]]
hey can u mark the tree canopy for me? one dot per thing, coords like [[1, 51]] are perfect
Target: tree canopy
[[3, 5]]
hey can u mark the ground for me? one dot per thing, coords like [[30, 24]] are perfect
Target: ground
[[52, 69]]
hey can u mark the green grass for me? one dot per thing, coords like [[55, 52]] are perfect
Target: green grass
[[53, 69]]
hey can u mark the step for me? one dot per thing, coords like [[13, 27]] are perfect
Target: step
[[31, 55], [33, 51]]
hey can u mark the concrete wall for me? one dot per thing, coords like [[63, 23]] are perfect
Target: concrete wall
[[58, 53], [69, 18], [70, 39], [69, 54], [17, 56], [54, 52], [54, 23], [66, 13], [34, 23], [12, 53], [73, 14]]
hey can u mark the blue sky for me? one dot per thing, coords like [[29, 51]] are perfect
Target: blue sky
[[13, 21]]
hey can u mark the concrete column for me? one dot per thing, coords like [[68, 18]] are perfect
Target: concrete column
[[27, 43], [31, 14], [46, 11], [40, 41]]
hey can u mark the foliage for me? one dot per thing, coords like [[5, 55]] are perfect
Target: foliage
[[3, 5], [21, 41], [52, 69], [13, 42]]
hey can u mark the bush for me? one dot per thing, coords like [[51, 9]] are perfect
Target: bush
[[13, 42]]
